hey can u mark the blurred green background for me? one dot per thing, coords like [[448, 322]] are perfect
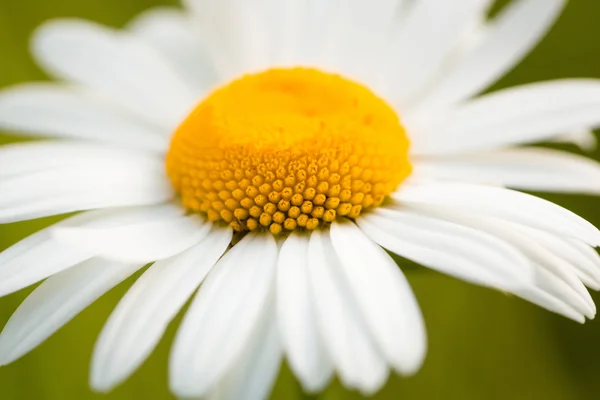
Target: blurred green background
[[483, 344]]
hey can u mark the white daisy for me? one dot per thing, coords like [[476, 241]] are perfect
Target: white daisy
[[313, 133]]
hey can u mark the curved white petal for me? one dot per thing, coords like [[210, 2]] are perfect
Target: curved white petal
[[234, 35], [587, 251], [523, 114], [452, 249], [140, 319], [507, 39], [116, 64], [40, 255], [356, 357], [41, 109], [145, 240], [552, 274], [254, 374], [430, 32], [56, 301], [543, 297], [297, 318], [223, 315], [525, 168], [288, 29], [583, 138], [502, 203], [35, 258], [351, 38], [384, 297], [29, 157], [584, 259], [114, 178], [170, 31]]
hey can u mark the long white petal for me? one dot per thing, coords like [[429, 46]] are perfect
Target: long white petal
[[507, 39], [525, 168], [288, 28], [40, 255], [553, 274], [140, 319], [352, 38], [37, 109], [28, 157], [523, 114], [145, 240], [583, 258], [55, 302], [358, 361], [543, 297], [430, 32], [452, 249], [223, 315], [589, 252], [170, 31], [384, 297], [297, 316], [502, 203], [115, 179], [234, 35], [254, 374], [583, 138], [35, 258], [116, 64]]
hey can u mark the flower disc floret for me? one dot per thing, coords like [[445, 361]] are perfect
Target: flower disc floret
[[288, 148]]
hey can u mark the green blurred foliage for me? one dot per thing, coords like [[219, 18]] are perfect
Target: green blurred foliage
[[482, 344]]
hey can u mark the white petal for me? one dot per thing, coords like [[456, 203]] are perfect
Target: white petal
[[384, 296], [589, 252], [351, 38], [223, 315], [523, 114], [55, 302], [41, 255], [35, 258], [507, 39], [38, 156], [170, 31], [144, 240], [113, 179], [36, 109], [116, 64], [543, 297], [370, 16], [234, 35], [525, 168], [584, 138], [583, 258], [297, 316], [430, 32], [452, 249], [358, 361], [140, 319], [553, 275], [288, 29], [502, 203], [254, 374]]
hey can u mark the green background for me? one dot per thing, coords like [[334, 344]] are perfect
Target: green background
[[483, 344]]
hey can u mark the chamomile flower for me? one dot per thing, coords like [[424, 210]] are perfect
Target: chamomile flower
[[262, 155]]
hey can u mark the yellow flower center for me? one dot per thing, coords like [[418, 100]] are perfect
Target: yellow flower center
[[288, 148]]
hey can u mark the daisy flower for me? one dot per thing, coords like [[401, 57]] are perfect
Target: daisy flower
[[264, 154]]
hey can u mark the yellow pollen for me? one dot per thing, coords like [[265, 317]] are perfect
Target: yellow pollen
[[287, 149]]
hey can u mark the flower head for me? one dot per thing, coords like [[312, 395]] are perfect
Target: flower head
[[264, 154]]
